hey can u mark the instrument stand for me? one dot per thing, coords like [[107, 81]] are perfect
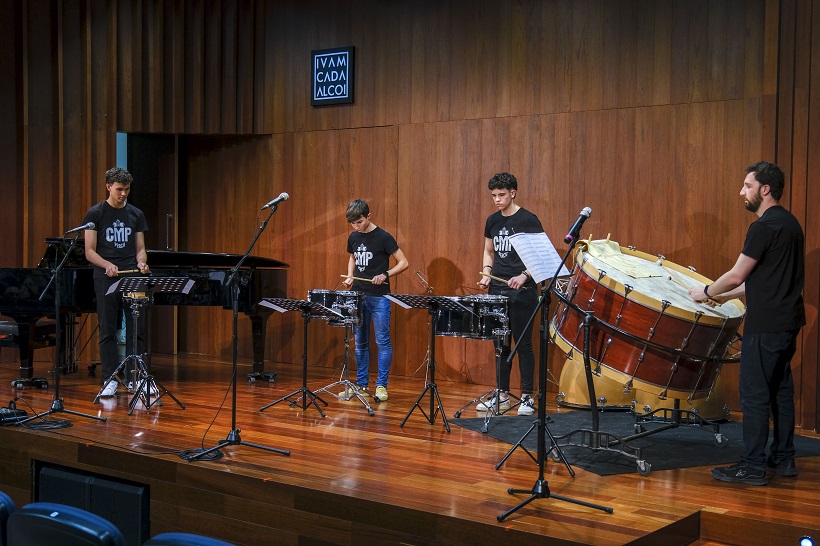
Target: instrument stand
[[57, 405], [673, 418], [540, 489], [495, 409], [433, 304], [309, 311], [351, 389], [233, 438]]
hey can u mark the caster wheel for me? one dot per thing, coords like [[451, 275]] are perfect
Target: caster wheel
[[721, 440], [251, 379], [644, 468], [17, 384], [555, 457], [639, 429]]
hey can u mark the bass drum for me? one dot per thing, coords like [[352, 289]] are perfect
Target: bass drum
[[610, 395], [648, 333]]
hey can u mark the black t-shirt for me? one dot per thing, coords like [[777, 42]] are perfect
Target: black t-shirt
[[116, 233], [506, 262], [371, 251], [774, 289]]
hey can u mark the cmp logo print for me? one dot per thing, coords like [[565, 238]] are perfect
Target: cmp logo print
[[117, 234], [362, 257], [501, 243], [332, 76]]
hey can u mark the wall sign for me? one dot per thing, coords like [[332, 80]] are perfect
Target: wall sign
[[332, 76]]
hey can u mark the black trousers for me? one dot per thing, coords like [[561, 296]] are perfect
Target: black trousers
[[520, 306], [108, 317], [766, 384]]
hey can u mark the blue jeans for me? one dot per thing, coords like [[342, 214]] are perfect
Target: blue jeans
[[766, 384], [377, 309]]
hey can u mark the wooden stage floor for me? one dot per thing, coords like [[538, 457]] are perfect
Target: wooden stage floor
[[352, 477]]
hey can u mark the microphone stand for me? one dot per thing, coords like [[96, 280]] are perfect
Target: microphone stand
[[57, 405], [541, 490], [233, 280]]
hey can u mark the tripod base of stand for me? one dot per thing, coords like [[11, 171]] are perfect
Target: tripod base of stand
[[234, 439], [541, 490], [349, 387], [435, 407], [308, 397], [57, 407], [150, 392], [552, 450]]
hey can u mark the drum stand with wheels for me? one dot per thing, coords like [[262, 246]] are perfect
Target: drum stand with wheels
[[350, 388]]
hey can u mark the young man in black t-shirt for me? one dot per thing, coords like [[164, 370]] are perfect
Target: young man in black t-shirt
[[370, 248], [770, 273], [502, 261], [116, 243]]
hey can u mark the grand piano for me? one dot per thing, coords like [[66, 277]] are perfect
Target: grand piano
[[20, 289]]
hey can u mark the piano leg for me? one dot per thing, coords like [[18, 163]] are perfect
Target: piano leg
[[26, 343], [258, 329]]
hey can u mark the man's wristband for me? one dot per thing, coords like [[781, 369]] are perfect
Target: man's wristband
[[386, 274], [706, 290], [486, 266]]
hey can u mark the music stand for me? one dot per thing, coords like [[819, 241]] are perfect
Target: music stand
[[57, 404], [140, 292], [433, 304], [309, 310]]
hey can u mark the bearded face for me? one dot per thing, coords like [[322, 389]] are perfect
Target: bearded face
[[753, 202]]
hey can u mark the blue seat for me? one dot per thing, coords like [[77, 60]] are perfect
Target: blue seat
[[184, 539], [41, 523], [6, 508]]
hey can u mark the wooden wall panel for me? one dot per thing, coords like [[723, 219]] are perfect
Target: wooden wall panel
[[11, 128], [645, 111]]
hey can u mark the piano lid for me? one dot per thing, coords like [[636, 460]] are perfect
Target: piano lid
[[158, 258]]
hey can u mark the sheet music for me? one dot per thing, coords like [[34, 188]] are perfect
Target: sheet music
[[538, 254]]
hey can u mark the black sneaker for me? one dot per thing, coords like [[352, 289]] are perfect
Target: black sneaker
[[740, 473], [783, 468]]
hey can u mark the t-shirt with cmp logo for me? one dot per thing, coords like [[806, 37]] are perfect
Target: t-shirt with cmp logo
[[371, 252], [499, 228], [116, 233]]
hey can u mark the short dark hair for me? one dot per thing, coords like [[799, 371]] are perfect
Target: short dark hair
[[356, 209], [769, 174], [503, 181], [116, 174]]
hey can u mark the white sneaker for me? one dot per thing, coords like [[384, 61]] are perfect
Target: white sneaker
[[527, 405], [109, 390], [152, 389], [503, 405]]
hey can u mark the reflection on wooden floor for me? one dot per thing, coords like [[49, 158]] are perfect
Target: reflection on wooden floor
[[352, 477]]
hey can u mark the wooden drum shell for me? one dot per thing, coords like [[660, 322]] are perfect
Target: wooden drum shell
[[704, 337]]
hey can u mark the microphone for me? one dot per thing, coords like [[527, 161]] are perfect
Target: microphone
[[89, 225], [575, 230], [282, 197]]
